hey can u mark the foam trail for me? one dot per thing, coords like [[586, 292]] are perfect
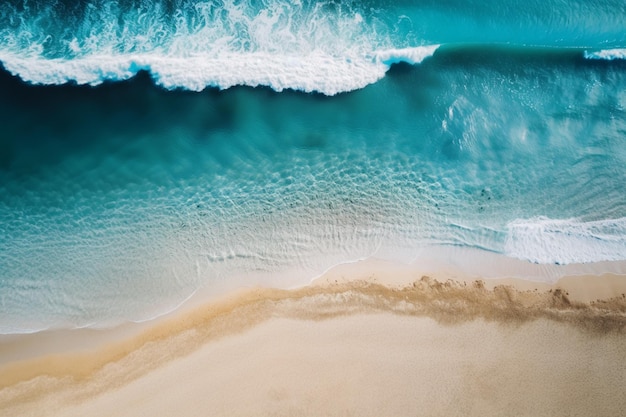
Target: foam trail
[[564, 241]]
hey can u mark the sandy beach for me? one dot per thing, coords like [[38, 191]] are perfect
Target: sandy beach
[[370, 338], [312, 208]]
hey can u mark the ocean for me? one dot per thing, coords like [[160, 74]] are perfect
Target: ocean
[[153, 149]]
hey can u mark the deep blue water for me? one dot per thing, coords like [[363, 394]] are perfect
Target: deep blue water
[[150, 149]]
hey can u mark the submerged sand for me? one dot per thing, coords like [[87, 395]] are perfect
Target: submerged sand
[[365, 340]]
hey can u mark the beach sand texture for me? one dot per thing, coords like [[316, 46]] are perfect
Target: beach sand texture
[[348, 344]]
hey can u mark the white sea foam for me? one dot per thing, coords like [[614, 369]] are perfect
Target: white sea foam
[[408, 55], [307, 46], [565, 241], [607, 54], [314, 72]]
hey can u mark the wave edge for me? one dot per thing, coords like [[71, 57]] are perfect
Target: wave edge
[[315, 72]]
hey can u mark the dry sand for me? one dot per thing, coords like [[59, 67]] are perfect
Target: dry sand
[[365, 339]]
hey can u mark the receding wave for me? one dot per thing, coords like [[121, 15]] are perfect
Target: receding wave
[[563, 241]]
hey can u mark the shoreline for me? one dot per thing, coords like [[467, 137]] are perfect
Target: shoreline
[[580, 286], [70, 370], [439, 262]]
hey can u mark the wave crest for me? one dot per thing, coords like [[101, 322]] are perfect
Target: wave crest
[[304, 45], [315, 72], [607, 54]]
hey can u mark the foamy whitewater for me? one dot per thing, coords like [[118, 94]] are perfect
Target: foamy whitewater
[[153, 149]]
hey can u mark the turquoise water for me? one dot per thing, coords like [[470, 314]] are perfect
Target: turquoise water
[[150, 149]]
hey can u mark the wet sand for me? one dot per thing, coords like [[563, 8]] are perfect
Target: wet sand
[[371, 338]]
